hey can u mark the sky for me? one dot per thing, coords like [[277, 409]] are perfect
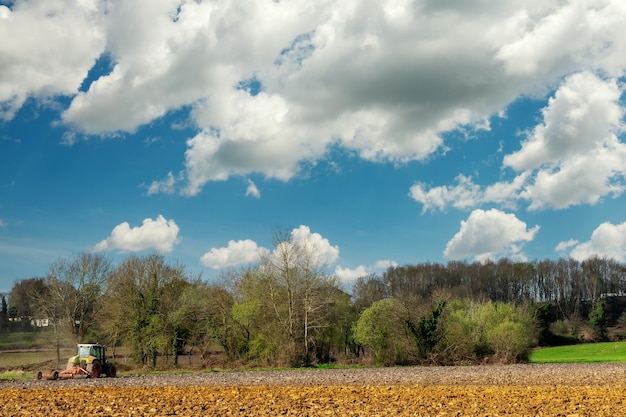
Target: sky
[[383, 132]]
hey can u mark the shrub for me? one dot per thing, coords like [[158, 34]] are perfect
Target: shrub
[[474, 331]]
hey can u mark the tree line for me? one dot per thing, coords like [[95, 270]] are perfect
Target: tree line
[[287, 310]]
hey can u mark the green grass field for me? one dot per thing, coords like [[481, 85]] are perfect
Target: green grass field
[[582, 353]]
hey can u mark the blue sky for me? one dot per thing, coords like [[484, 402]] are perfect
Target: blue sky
[[384, 132]]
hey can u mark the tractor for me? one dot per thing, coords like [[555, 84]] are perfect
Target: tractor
[[92, 358], [90, 362]]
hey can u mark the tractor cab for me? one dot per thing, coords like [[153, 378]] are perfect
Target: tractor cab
[[89, 352]]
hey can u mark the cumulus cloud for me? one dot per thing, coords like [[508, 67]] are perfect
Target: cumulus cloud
[[583, 113], [272, 146], [574, 156], [555, 39], [607, 240], [466, 194], [2, 223], [236, 253], [321, 252], [324, 253], [48, 48], [490, 234], [576, 150], [583, 179], [159, 234], [273, 85], [351, 274]]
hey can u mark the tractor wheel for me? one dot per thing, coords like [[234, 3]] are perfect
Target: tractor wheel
[[95, 369], [112, 373]]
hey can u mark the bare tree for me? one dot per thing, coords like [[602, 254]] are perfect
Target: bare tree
[[300, 293], [367, 290], [76, 285]]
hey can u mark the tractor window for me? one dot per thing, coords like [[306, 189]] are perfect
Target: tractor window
[[95, 351], [86, 351], [83, 351]]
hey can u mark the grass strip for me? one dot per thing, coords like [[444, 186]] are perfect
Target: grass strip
[[581, 353]]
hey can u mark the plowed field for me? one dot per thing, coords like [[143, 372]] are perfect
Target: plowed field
[[546, 390]]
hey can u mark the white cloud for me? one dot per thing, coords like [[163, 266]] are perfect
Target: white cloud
[[246, 251], [488, 235], [607, 240], [2, 223], [573, 157], [316, 244], [160, 234], [583, 179], [210, 157], [47, 49], [565, 245], [557, 38], [165, 186], [467, 194], [383, 78], [577, 144], [252, 190], [236, 253], [350, 275], [584, 113]]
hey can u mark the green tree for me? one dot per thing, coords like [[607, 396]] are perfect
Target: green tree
[[597, 320], [140, 303], [23, 296], [336, 341], [382, 329], [203, 318], [245, 315], [427, 332], [4, 314], [259, 333]]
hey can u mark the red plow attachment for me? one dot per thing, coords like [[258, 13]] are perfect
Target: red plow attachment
[[74, 372]]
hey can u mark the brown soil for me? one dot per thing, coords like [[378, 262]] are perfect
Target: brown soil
[[523, 390]]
